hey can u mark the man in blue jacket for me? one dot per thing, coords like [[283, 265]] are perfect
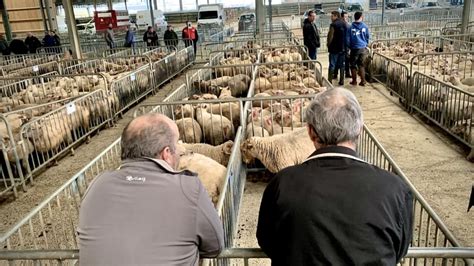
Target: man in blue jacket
[[359, 41]]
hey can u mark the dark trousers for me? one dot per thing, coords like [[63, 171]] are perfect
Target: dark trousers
[[336, 61], [312, 53], [358, 57]]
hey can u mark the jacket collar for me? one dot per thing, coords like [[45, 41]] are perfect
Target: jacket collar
[[151, 162], [335, 149]]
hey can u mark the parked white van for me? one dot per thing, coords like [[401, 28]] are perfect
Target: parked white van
[[144, 20], [210, 16]]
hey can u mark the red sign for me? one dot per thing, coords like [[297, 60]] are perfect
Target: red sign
[[118, 18]]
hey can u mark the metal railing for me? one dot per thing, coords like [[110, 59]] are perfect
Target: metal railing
[[447, 106], [52, 224], [41, 229], [443, 65], [270, 76], [34, 70], [393, 74], [209, 79], [48, 137], [445, 256], [112, 65]]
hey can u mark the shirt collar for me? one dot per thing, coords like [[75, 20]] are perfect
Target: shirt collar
[[160, 163], [335, 149]]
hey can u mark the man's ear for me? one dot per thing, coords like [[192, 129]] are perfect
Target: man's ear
[[312, 134]]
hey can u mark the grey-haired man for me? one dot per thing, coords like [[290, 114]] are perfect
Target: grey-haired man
[[147, 213], [334, 208]]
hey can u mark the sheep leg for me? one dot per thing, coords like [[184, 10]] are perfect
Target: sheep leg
[[470, 157]]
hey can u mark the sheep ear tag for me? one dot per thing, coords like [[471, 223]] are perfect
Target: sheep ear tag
[[70, 108]]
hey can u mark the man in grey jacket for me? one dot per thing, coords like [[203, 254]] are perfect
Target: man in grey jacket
[[110, 37], [147, 213]]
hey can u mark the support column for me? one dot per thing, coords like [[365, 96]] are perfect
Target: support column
[[71, 29], [467, 15], [383, 11], [48, 14], [109, 5], [155, 4], [6, 21], [270, 14], [126, 7], [260, 12], [152, 16], [43, 16], [180, 5]]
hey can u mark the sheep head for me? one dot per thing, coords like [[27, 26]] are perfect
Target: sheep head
[[248, 150], [227, 147]]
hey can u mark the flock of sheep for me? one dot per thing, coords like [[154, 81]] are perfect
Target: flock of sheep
[[444, 91], [36, 111], [275, 132]]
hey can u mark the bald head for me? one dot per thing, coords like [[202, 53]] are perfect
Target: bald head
[[150, 135]]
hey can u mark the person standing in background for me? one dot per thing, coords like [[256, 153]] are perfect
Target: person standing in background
[[4, 49], [311, 35], [170, 37], [359, 41], [57, 39], [32, 43], [17, 46], [151, 37], [337, 45], [190, 36], [345, 17], [130, 37], [109, 37]]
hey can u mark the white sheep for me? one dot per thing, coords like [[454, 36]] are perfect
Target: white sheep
[[211, 173], [216, 128], [189, 130], [280, 151], [220, 153]]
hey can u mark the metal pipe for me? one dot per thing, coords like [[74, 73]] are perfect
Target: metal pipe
[[6, 20], [152, 16], [43, 16], [110, 5], [125, 2], [48, 13], [260, 12], [466, 15], [72, 29], [270, 14], [181, 5], [383, 11], [73, 254]]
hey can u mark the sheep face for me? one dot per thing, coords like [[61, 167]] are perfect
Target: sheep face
[[248, 151]]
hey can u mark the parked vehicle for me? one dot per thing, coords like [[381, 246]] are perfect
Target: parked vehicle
[[144, 20], [86, 28], [212, 15], [350, 7], [397, 4], [247, 21]]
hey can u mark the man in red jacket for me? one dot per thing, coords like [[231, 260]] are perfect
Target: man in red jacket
[[190, 35]]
